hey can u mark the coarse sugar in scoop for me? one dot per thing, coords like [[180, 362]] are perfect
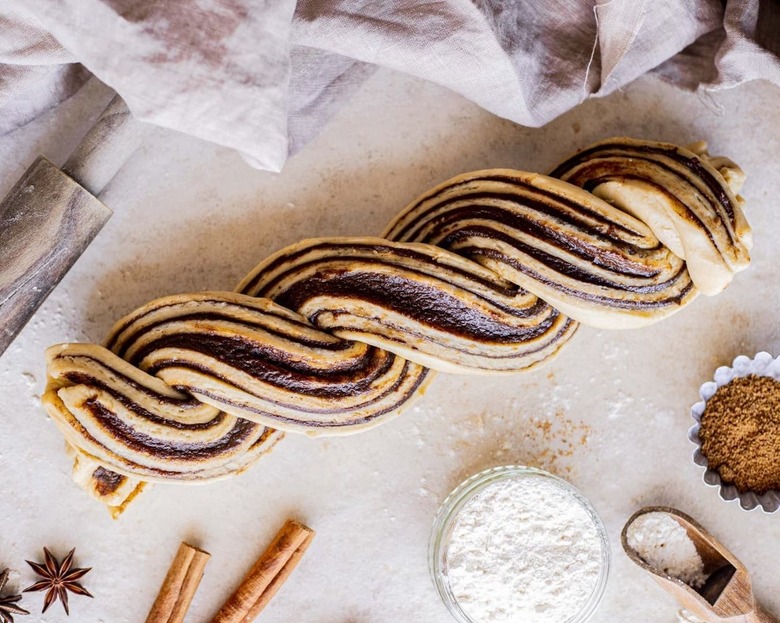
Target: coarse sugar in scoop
[[524, 549]]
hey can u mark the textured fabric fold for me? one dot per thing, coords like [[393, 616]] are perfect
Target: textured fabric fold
[[264, 77], [216, 70], [636, 36], [752, 45]]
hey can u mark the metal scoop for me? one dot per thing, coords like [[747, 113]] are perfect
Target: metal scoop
[[727, 594]]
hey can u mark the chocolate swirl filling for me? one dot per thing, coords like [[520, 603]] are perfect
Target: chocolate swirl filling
[[489, 272]]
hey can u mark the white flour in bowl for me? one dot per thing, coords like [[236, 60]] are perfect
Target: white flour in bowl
[[523, 549], [664, 544]]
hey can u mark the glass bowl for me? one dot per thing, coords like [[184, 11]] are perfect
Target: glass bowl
[[445, 522]]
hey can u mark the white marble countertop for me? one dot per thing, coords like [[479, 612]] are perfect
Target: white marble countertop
[[610, 414]]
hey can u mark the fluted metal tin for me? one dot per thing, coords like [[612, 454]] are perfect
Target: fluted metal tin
[[763, 364]]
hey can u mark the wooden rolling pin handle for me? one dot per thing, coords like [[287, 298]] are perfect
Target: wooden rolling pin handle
[[106, 147], [51, 215], [46, 222]]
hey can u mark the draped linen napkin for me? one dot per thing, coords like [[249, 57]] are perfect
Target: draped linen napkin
[[264, 76]]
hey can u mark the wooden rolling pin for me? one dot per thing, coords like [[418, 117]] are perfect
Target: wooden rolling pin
[[727, 595], [51, 215]]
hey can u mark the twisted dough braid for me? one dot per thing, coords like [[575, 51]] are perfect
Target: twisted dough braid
[[489, 272]]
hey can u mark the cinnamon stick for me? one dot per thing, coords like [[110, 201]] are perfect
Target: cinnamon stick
[[277, 582], [267, 574], [179, 586]]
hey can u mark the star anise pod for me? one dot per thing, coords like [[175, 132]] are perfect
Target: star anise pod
[[59, 578], [8, 607]]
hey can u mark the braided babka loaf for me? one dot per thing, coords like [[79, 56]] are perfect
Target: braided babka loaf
[[489, 272]]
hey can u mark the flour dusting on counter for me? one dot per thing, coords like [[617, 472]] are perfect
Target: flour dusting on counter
[[524, 549]]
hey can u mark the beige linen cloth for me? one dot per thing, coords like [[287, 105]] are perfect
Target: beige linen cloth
[[264, 76]]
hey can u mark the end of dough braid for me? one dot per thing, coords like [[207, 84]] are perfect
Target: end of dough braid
[[687, 198]]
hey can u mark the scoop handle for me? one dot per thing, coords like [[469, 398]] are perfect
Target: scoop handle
[[759, 615]]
